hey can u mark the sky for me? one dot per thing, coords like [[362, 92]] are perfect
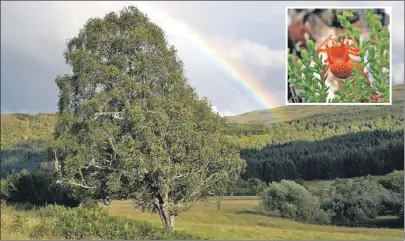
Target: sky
[[249, 36]]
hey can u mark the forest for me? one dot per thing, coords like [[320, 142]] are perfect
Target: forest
[[348, 142]]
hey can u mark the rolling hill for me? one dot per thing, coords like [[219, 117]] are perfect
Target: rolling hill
[[24, 136], [19, 127], [288, 113]]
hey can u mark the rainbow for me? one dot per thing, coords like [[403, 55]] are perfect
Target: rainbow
[[246, 81]]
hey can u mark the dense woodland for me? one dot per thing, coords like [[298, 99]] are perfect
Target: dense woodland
[[358, 154], [351, 141], [354, 141]]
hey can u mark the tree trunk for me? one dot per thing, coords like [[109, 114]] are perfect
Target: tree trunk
[[168, 219]]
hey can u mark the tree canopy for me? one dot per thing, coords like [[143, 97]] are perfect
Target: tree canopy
[[130, 126]]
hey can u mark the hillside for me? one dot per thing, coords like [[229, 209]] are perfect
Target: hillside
[[16, 128], [19, 128], [24, 137], [323, 144], [288, 113]]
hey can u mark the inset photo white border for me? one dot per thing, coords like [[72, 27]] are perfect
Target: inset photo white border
[[287, 23]]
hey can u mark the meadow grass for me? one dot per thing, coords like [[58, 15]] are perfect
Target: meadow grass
[[17, 225], [239, 218]]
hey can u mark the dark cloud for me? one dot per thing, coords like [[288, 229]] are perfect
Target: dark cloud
[[27, 82], [34, 34]]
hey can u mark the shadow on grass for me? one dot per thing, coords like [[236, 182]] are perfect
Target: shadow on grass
[[253, 212], [379, 222]]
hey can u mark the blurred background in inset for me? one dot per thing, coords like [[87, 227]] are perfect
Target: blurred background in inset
[[319, 24]]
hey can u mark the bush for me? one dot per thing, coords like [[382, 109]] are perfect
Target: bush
[[394, 182], [315, 89], [358, 201], [287, 199], [37, 189], [300, 181], [250, 187]]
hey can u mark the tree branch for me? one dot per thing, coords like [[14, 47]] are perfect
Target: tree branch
[[57, 167], [75, 184], [197, 190]]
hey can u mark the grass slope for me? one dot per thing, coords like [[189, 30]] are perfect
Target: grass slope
[[18, 128], [288, 113], [238, 220]]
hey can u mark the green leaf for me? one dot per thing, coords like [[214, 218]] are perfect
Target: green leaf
[[304, 55]]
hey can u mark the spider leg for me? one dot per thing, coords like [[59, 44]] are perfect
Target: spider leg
[[323, 45], [355, 55], [354, 50], [354, 42], [324, 72], [361, 70]]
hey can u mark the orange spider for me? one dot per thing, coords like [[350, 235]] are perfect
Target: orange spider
[[340, 57]]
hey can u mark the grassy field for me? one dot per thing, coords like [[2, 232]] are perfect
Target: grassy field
[[17, 225], [238, 219]]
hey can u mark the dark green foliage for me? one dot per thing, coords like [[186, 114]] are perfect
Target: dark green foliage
[[358, 201], [28, 155], [37, 189], [352, 202], [394, 182], [300, 181], [346, 142], [357, 154], [250, 187], [94, 223], [288, 199]]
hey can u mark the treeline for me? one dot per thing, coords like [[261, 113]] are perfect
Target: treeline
[[337, 120], [28, 155], [345, 202], [357, 154], [340, 141]]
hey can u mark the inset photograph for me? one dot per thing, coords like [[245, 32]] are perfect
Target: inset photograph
[[338, 56]]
